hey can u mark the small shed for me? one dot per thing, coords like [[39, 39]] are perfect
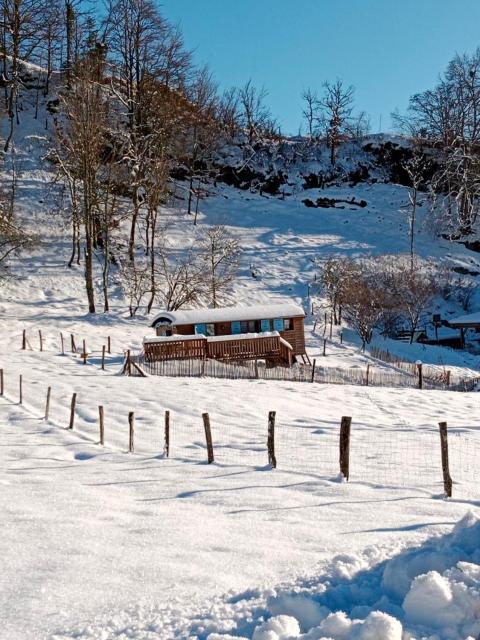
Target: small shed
[[469, 321], [248, 331]]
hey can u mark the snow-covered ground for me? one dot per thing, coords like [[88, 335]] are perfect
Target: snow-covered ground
[[100, 543]]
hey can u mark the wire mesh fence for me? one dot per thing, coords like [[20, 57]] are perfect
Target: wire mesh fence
[[380, 457], [313, 373], [390, 454]]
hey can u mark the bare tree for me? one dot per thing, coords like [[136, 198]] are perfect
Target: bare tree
[[362, 301], [220, 252], [310, 110], [253, 111], [416, 168], [415, 290], [336, 106], [79, 154], [135, 281], [181, 278]]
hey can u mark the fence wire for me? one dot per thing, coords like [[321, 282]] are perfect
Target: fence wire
[[380, 457]]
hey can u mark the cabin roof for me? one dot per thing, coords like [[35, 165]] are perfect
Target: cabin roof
[[229, 314], [470, 320]]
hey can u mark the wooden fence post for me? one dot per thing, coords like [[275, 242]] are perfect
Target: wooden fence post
[[341, 336], [24, 340], [20, 389], [101, 424], [208, 437], [345, 446], [331, 325], [448, 378], [47, 404], [447, 480], [109, 345], [1, 382], [166, 440], [313, 371], [368, 375], [131, 431], [103, 357], [324, 346], [272, 460], [72, 343], [72, 410], [84, 352], [420, 375], [62, 343], [40, 338]]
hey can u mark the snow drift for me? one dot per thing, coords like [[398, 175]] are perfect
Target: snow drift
[[431, 592]]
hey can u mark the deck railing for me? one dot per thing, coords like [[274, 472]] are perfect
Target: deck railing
[[229, 349]]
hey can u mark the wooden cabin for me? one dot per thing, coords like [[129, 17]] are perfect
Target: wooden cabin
[[273, 332]]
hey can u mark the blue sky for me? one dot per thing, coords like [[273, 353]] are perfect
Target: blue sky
[[388, 49]]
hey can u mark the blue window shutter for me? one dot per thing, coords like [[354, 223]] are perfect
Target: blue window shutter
[[278, 324], [265, 325], [236, 327], [201, 328]]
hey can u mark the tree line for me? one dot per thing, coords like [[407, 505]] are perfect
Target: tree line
[[129, 108]]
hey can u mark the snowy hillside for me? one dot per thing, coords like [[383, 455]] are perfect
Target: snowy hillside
[[100, 543]]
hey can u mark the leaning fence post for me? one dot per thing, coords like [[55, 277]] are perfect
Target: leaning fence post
[[47, 404], [72, 410], [166, 441], [72, 343], [447, 480], [20, 389], [103, 357], [1, 382], [324, 346], [40, 338], [131, 430], [24, 340], [272, 460], [313, 371], [208, 437], [62, 343], [101, 425], [345, 446]]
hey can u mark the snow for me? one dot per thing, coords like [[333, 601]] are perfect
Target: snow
[[471, 318], [197, 336], [245, 336], [174, 338], [229, 314], [97, 543]]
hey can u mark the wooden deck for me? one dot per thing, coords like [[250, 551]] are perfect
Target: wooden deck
[[273, 349]]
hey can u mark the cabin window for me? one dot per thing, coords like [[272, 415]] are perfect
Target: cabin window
[[278, 324], [288, 324], [236, 328], [248, 326], [265, 325], [201, 328], [210, 329]]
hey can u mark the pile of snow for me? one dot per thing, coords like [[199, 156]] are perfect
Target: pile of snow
[[427, 593]]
